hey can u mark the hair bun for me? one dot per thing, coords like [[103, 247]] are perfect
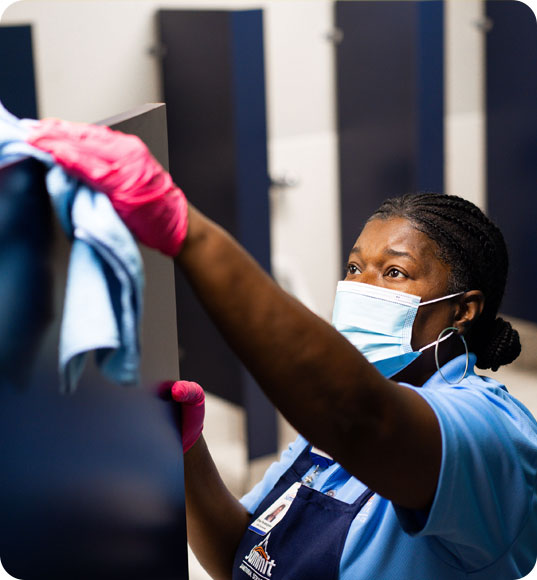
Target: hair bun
[[503, 346]]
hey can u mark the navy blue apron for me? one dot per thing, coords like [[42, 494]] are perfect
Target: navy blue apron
[[308, 542]]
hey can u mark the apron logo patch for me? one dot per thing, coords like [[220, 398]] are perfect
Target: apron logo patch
[[257, 564]]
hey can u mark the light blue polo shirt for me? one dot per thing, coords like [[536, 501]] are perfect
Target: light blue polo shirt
[[483, 521]]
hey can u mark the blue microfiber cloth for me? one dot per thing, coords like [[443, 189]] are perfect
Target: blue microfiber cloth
[[104, 294]]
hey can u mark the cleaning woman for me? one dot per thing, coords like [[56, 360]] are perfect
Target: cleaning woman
[[409, 465]]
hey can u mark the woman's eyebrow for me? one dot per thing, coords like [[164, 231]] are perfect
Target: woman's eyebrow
[[399, 254]]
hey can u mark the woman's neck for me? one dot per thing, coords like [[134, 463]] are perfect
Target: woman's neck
[[424, 367]]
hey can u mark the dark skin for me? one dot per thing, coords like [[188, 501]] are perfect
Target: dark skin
[[393, 254], [384, 434]]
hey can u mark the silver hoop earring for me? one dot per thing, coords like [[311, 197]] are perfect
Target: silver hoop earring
[[436, 354]]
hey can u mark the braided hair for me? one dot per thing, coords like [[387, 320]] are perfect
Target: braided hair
[[474, 249]]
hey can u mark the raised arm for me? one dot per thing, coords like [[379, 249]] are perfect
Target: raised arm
[[384, 434]]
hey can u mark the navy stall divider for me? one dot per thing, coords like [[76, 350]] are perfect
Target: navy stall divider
[[430, 166], [92, 483], [17, 80], [512, 146], [390, 104], [214, 87]]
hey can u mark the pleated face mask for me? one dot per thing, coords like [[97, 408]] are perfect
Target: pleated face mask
[[378, 322]]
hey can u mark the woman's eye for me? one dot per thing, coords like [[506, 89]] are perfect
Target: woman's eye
[[395, 273], [352, 269]]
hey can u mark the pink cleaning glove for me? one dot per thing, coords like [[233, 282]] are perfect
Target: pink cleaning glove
[[120, 165], [192, 399]]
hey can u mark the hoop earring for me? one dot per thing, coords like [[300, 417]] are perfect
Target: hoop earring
[[436, 354]]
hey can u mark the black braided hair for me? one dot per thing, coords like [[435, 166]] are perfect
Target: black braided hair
[[474, 249]]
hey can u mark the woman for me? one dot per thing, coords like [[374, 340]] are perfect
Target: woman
[[434, 468]]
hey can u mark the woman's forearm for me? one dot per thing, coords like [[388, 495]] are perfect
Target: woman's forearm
[[318, 380], [305, 366], [216, 520]]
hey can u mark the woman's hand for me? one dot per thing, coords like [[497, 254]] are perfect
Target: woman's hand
[[214, 516], [192, 412], [121, 166]]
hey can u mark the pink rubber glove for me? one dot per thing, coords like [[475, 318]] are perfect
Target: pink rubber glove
[[192, 399], [120, 165]]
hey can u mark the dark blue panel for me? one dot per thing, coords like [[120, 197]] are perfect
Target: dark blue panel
[[390, 104], [377, 107], [430, 56], [213, 72], [249, 110], [26, 307], [512, 146], [197, 83], [17, 83], [91, 484]]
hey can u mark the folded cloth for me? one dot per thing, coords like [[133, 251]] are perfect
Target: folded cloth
[[104, 293]]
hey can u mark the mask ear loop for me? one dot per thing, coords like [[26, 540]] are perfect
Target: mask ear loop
[[436, 354]]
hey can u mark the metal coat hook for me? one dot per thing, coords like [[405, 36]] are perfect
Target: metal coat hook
[[335, 36], [284, 181], [484, 24]]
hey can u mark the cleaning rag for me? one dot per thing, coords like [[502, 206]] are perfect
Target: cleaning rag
[[104, 292]]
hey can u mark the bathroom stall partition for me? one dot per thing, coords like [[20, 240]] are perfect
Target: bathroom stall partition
[[214, 87], [511, 83], [92, 483], [390, 104]]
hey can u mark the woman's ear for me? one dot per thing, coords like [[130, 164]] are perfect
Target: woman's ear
[[469, 309]]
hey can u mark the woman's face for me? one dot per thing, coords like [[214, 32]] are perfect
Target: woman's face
[[393, 254]]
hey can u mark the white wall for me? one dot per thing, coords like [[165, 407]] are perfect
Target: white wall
[[303, 147], [93, 60], [465, 120], [87, 66]]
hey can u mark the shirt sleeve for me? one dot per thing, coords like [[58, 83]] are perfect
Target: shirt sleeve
[[487, 480], [254, 497]]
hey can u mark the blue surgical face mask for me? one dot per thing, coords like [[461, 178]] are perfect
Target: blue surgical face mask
[[378, 322]]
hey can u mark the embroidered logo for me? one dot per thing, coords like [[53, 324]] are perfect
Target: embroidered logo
[[257, 564]]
